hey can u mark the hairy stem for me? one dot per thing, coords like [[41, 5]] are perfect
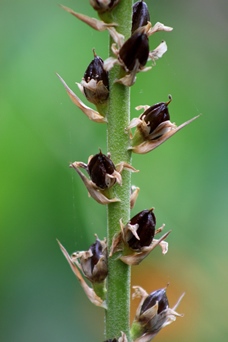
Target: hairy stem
[[118, 282]]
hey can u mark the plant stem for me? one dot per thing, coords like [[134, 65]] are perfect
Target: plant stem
[[118, 282]]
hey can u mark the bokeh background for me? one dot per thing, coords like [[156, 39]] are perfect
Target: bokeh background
[[41, 199]]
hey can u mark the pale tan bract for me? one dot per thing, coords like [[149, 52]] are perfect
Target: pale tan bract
[[89, 112]]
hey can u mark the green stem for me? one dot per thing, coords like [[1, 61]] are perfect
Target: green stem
[[118, 282]]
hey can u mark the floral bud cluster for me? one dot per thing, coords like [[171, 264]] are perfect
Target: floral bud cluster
[[136, 238]]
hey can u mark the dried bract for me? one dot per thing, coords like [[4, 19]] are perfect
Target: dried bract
[[140, 15], [96, 24], [102, 6], [136, 239], [95, 82], [89, 112], [134, 195], [153, 314]]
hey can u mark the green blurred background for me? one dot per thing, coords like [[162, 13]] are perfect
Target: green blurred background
[[41, 199]]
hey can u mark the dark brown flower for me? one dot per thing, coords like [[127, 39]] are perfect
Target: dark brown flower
[[144, 234], [135, 51], [101, 170], [93, 262], [153, 314], [158, 296], [95, 82], [103, 174], [136, 239], [155, 115]]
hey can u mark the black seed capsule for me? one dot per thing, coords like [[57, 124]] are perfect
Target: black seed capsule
[[146, 221], [98, 92], [96, 71], [156, 296], [135, 48], [99, 166], [156, 114], [140, 15]]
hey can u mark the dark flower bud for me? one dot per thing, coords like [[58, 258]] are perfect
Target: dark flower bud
[[102, 6], [94, 261], [154, 297], [156, 114], [95, 82], [101, 169], [140, 15], [135, 51], [146, 222], [153, 314]]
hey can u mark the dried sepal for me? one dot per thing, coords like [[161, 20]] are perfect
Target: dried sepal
[[158, 52], [92, 296], [136, 239], [159, 27], [140, 15], [134, 195], [102, 6], [96, 24], [117, 37], [152, 314], [89, 112]]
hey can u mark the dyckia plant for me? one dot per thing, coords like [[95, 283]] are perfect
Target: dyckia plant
[[104, 270]]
